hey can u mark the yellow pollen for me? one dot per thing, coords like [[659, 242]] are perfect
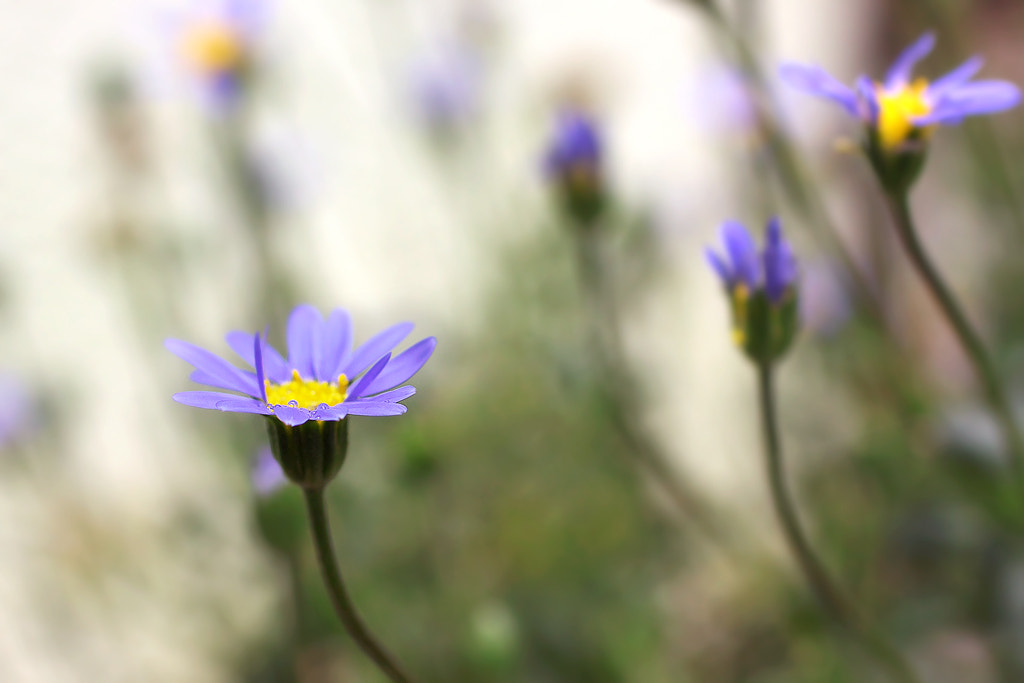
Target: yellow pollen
[[740, 294], [212, 47], [307, 393], [896, 109]]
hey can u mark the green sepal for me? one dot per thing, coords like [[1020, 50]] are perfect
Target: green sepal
[[898, 169], [582, 197], [312, 453], [766, 330]]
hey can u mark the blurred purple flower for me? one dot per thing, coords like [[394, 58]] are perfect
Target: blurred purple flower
[[575, 149], [213, 45], [722, 101], [323, 379], [267, 475], [899, 108], [444, 86], [744, 270], [18, 414]]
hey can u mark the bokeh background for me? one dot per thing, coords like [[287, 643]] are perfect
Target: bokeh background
[[385, 156]]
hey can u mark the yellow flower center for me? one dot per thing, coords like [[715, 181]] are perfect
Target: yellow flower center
[[212, 47], [740, 295], [307, 393], [896, 111]]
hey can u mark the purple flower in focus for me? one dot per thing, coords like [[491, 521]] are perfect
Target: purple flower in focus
[[901, 109], [322, 379], [745, 270], [267, 475], [574, 150]]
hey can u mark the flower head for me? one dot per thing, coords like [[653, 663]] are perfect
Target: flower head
[[214, 43], [762, 288], [902, 109], [572, 162], [308, 395], [323, 378]]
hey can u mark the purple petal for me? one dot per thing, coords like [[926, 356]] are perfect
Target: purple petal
[[293, 416], [403, 366], [375, 348], [395, 395], [983, 97], [304, 339], [780, 268], [742, 251], [375, 408], [266, 473], [274, 366], [359, 389], [816, 81], [719, 266], [257, 352], [899, 74], [337, 344], [867, 99], [213, 400], [576, 141], [216, 371], [337, 412], [955, 78]]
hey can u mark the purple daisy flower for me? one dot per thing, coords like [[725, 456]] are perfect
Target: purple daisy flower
[[744, 270], [323, 378], [901, 108]]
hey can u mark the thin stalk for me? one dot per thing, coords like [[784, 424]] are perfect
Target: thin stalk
[[343, 606], [828, 593], [969, 339]]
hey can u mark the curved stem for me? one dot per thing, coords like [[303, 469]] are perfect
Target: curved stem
[[331, 574], [995, 394], [822, 585]]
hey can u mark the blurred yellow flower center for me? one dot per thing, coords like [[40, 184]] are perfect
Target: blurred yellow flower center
[[307, 393], [740, 294], [896, 111], [213, 47]]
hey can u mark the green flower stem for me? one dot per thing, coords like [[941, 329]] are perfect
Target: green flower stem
[[996, 395], [822, 585], [331, 574]]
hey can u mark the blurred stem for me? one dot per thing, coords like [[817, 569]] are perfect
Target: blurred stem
[[343, 606], [995, 394], [232, 135], [619, 390], [822, 585], [794, 178]]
